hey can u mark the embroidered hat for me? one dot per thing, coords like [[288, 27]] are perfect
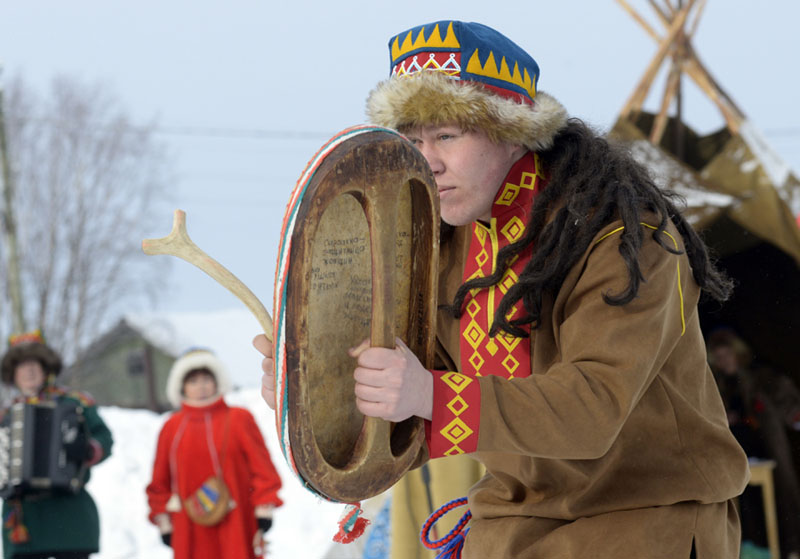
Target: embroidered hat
[[25, 347], [465, 73], [193, 359]]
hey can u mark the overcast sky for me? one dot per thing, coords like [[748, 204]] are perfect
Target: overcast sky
[[245, 91]]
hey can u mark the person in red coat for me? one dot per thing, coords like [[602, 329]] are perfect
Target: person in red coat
[[203, 439]]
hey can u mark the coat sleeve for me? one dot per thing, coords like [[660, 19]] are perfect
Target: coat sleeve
[[100, 434], [264, 479], [609, 357], [160, 488]]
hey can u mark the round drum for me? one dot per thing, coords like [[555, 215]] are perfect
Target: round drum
[[358, 259]]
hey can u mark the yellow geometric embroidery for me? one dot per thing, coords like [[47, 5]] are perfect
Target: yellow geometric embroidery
[[508, 281], [434, 40], [511, 190], [456, 381], [509, 194], [528, 180], [512, 312], [456, 431], [473, 307], [478, 274], [508, 341], [510, 364], [476, 361], [480, 233], [474, 334], [482, 257], [457, 405], [490, 70], [491, 347], [514, 229]]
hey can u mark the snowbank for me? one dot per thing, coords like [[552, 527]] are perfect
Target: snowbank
[[303, 527]]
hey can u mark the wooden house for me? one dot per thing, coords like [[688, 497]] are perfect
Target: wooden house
[[124, 368]]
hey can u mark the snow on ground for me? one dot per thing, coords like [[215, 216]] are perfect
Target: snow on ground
[[303, 527]]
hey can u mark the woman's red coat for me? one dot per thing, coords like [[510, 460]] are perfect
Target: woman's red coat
[[247, 470]]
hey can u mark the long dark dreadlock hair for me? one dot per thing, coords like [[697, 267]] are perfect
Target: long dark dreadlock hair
[[592, 183]]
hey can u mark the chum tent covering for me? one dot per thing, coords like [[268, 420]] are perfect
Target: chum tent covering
[[743, 200]]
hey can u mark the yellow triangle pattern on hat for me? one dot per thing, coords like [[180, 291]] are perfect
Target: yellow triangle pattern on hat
[[490, 70], [433, 41]]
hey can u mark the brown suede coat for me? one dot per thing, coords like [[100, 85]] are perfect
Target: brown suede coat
[[617, 445]]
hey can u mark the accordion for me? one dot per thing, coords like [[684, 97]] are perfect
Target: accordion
[[42, 448]]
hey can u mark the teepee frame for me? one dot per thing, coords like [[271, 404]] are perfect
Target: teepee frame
[[739, 194], [676, 45]]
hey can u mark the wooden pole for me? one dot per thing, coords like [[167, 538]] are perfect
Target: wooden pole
[[636, 100], [640, 20], [692, 65], [661, 10], [730, 112], [678, 137], [10, 230], [660, 123], [696, 21]]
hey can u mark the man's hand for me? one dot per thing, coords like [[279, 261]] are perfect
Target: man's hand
[[264, 346], [391, 383]]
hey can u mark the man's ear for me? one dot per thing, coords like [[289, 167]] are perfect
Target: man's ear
[[515, 153]]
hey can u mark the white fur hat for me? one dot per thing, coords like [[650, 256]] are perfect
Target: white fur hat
[[189, 361]]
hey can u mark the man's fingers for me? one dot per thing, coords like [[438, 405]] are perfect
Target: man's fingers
[[268, 366], [372, 409], [359, 349], [370, 393], [377, 378], [381, 358], [268, 396], [263, 345], [268, 388]]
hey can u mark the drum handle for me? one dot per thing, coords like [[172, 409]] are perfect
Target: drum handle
[[178, 243]]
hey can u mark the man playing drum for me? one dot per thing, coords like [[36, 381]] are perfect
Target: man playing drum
[[570, 357]]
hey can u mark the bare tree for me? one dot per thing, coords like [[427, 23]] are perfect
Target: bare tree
[[86, 181], [9, 227]]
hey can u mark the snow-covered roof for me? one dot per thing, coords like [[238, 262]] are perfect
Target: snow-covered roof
[[669, 174]]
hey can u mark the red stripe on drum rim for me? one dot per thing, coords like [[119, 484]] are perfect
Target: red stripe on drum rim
[[281, 271]]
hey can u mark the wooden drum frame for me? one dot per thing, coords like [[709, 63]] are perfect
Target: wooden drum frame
[[363, 263], [358, 258]]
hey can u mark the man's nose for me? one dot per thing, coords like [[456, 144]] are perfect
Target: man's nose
[[434, 160]]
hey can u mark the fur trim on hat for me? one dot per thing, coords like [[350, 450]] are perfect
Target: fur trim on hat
[[51, 362], [431, 98], [195, 359]]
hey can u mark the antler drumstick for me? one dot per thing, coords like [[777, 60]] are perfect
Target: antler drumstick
[[178, 243]]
